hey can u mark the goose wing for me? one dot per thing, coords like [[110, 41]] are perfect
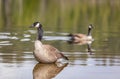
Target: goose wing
[[79, 35], [52, 51]]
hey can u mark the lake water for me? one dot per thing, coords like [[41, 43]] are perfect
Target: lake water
[[59, 18], [17, 60]]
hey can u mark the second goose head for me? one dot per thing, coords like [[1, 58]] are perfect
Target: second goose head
[[90, 27], [38, 25]]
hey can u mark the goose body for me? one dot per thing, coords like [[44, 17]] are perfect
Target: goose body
[[46, 53], [82, 37]]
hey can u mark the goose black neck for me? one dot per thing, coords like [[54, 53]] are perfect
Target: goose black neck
[[40, 33], [89, 31], [89, 48]]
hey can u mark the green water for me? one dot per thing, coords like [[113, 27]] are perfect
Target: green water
[[59, 18]]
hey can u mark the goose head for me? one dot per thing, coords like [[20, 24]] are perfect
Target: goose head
[[38, 25], [90, 27]]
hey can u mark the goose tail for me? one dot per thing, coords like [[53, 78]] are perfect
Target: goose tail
[[70, 34], [62, 61]]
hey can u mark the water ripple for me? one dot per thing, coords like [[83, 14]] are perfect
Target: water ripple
[[4, 43], [64, 38], [25, 39]]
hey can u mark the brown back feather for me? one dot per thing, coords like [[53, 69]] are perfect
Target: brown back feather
[[53, 51]]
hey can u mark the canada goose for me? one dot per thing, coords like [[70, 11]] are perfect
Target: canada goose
[[82, 37], [46, 53]]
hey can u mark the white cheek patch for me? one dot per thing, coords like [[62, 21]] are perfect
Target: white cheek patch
[[90, 26], [37, 25]]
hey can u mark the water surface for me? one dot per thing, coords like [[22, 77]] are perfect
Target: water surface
[[17, 60]]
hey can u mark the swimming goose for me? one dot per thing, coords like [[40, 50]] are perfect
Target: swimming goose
[[76, 38], [46, 53]]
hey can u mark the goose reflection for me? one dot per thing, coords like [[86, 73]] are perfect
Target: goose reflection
[[83, 42], [46, 71]]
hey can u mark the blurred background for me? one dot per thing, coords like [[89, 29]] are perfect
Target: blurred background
[[66, 15]]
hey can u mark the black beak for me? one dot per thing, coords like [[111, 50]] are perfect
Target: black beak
[[31, 26]]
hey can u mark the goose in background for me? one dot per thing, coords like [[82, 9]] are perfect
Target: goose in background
[[82, 38], [46, 53]]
